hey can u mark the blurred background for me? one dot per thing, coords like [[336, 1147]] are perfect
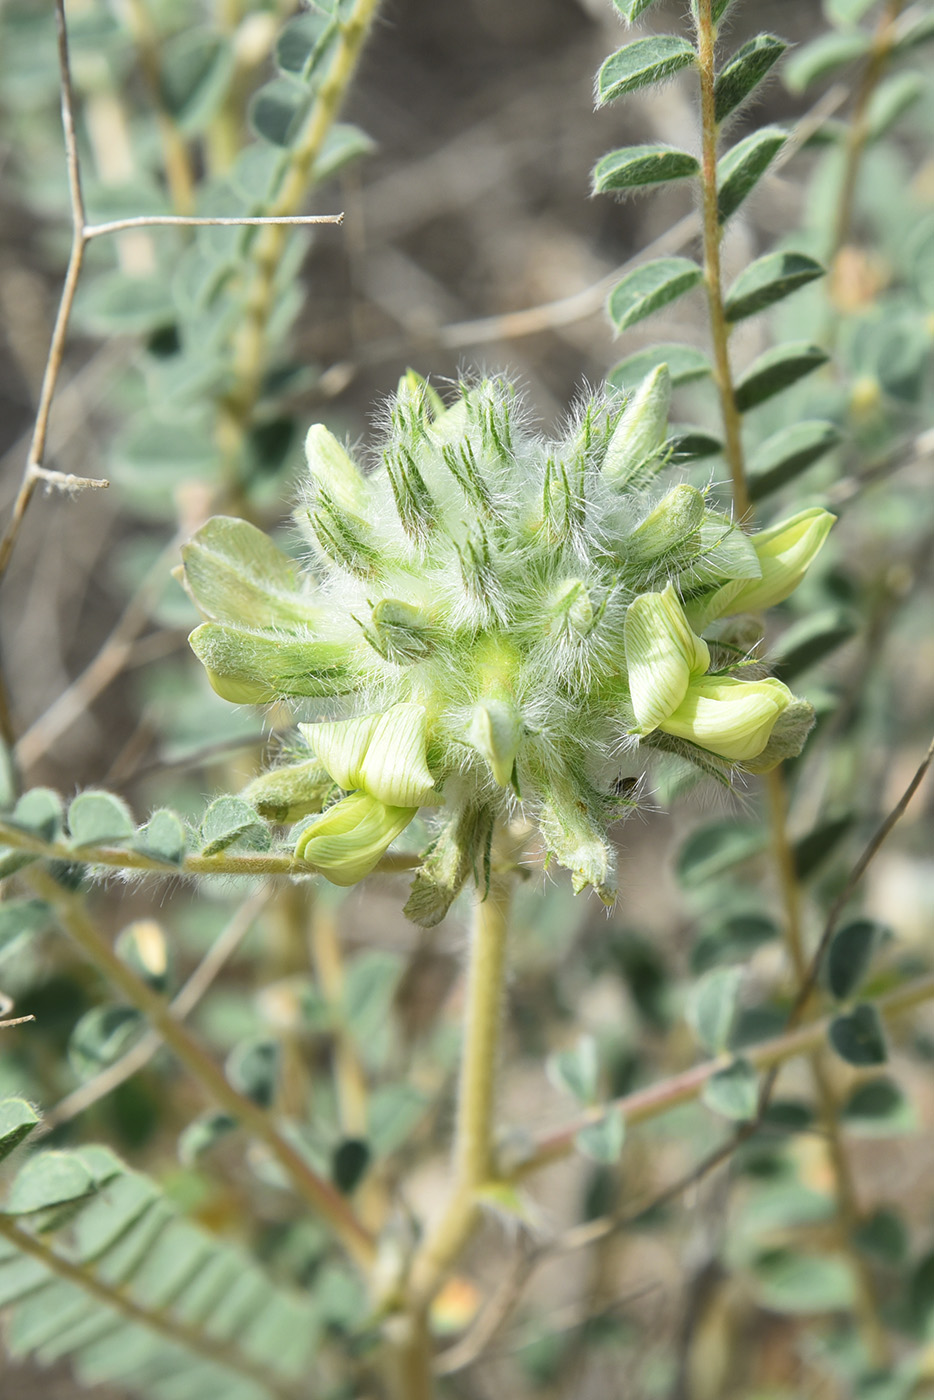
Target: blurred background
[[470, 241]]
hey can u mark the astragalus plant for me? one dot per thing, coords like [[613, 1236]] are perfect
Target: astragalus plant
[[490, 627]]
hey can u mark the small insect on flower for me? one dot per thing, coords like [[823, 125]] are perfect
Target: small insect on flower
[[487, 621]]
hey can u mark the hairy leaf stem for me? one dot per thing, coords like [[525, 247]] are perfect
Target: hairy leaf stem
[[318, 1193]]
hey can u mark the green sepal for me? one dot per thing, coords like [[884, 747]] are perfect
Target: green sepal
[[251, 668]]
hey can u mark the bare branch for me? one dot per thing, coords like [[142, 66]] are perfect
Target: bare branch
[[194, 221]]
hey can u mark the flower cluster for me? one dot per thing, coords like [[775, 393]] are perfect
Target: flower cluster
[[490, 620]]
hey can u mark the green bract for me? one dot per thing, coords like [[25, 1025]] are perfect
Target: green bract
[[501, 622]]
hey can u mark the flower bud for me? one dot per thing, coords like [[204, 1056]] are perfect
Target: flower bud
[[729, 717], [570, 609], [496, 732], [641, 431], [785, 552], [236, 574], [349, 840], [672, 524], [399, 632], [335, 472], [662, 656], [290, 792], [382, 754], [575, 834], [253, 668]]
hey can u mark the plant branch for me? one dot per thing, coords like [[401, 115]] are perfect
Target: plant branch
[[249, 348], [858, 133], [314, 1189], [220, 1353], [197, 221], [181, 1005], [719, 330], [643, 1105], [245, 863]]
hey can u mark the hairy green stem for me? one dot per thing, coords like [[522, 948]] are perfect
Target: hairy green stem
[[314, 1189], [719, 330], [474, 1165]]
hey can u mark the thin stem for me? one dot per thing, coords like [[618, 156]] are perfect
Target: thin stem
[[197, 221], [70, 286], [181, 1005], [719, 330], [320, 1194], [329, 970], [249, 349], [179, 173], [220, 1353], [858, 134]]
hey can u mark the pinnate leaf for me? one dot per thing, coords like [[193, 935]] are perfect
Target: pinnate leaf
[[277, 111], [787, 454], [22, 919], [745, 71], [769, 280], [819, 844], [650, 287], [163, 837], [712, 1005], [49, 1179], [717, 847], [825, 56], [576, 1071], [603, 1141], [858, 1037], [101, 1037], [40, 812], [811, 640], [635, 167], [921, 31], [733, 1091], [741, 169], [17, 1120], [230, 819], [849, 956], [685, 364], [632, 9], [776, 370], [641, 63], [99, 818], [891, 100]]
